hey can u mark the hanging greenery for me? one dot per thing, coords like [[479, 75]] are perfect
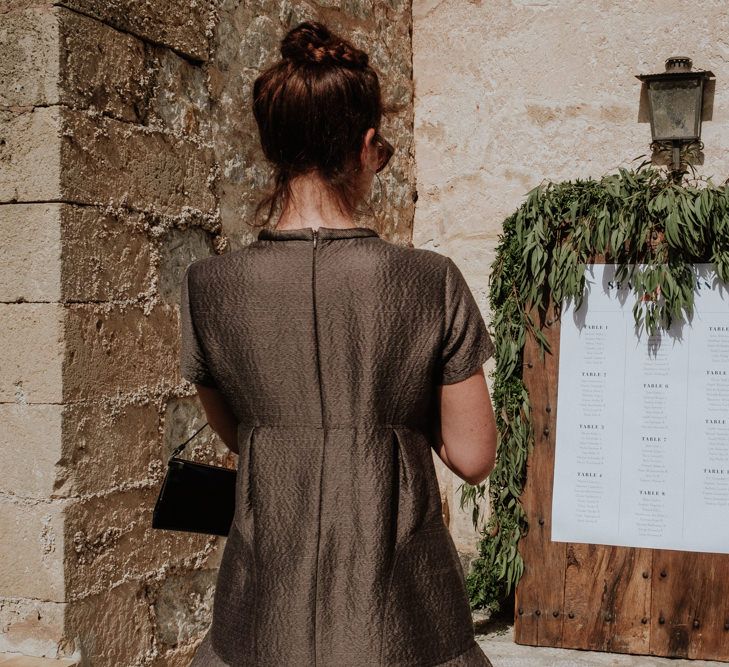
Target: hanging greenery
[[635, 217]]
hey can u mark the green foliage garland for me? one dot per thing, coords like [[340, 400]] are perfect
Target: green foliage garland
[[633, 217]]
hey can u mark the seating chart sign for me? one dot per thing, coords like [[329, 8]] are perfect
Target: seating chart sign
[[642, 442]]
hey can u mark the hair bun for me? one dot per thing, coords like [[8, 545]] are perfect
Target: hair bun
[[312, 42]]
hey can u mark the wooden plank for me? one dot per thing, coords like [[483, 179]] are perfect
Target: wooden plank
[[690, 605], [540, 591], [607, 598]]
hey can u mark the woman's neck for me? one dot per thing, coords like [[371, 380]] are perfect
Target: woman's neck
[[312, 206]]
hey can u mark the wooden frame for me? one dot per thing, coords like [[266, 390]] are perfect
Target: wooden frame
[[598, 597]]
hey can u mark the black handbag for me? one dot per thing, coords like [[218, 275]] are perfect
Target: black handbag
[[195, 497]]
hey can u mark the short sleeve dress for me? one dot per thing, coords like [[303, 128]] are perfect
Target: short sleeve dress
[[328, 345]]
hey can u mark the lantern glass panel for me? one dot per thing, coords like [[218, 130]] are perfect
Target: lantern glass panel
[[676, 107]]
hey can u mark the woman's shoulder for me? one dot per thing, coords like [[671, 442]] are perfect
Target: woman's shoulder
[[425, 260], [397, 257], [408, 252], [211, 265]]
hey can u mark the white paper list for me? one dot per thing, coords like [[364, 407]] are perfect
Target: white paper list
[[642, 441]]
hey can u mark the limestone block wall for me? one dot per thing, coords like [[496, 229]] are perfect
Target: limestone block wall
[[508, 93], [127, 150]]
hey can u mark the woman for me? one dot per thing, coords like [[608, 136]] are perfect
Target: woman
[[331, 361]]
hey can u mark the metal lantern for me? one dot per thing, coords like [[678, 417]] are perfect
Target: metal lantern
[[675, 105]]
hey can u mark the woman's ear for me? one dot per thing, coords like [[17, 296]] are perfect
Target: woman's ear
[[368, 154]]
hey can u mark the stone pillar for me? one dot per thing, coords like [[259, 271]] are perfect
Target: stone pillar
[[107, 191], [126, 145]]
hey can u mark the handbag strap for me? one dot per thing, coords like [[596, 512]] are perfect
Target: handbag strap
[[179, 448]]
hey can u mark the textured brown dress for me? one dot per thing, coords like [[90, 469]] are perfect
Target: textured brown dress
[[328, 345]]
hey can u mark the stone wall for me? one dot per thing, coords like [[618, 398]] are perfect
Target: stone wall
[[127, 150], [508, 93]]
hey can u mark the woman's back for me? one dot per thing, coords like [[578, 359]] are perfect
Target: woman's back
[[328, 345], [330, 326]]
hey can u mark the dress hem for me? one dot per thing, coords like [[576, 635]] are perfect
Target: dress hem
[[473, 656]]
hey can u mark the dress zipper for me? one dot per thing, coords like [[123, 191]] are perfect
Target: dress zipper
[[316, 329], [321, 412]]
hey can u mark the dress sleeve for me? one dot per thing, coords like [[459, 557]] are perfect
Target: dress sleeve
[[193, 363], [466, 342]]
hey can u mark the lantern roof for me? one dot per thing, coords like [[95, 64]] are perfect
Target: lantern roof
[[677, 67]]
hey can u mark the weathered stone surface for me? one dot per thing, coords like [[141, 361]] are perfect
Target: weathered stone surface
[[30, 155], [17, 660], [127, 165], [107, 255], [109, 446], [30, 442], [102, 68], [183, 606], [181, 655], [33, 567], [391, 57], [183, 28], [111, 540], [211, 558], [29, 66], [31, 627], [31, 352], [30, 252], [244, 173], [116, 163], [178, 248], [120, 75], [113, 627], [180, 99], [130, 352]]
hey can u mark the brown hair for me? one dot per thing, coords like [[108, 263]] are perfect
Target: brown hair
[[313, 108]]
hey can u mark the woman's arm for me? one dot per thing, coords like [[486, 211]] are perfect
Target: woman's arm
[[465, 432], [219, 415]]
